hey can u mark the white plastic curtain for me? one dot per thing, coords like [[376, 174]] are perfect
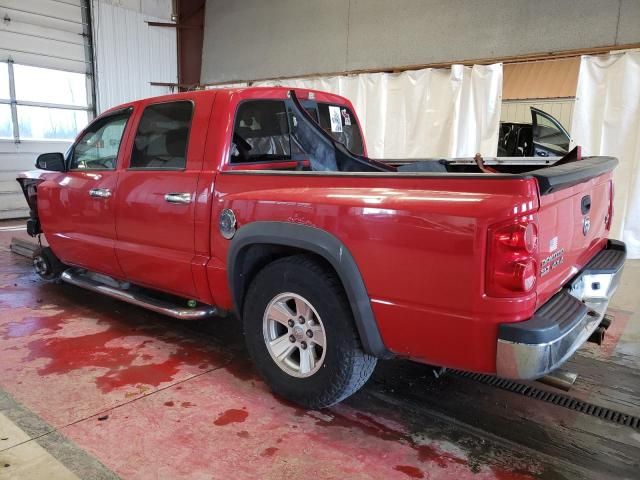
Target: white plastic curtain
[[606, 121], [452, 112]]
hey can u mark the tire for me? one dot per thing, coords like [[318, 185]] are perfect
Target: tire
[[341, 366], [47, 265]]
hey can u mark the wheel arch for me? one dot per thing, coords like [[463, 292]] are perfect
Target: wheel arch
[[259, 243]]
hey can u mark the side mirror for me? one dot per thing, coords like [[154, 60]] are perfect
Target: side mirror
[[51, 161]]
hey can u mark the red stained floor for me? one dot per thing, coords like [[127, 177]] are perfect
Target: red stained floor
[[182, 401]]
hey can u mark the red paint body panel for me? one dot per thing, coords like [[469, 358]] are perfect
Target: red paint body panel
[[156, 239], [560, 218], [419, 241], [79, 227]]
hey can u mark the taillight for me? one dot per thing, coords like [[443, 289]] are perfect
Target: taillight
[[512, 257]]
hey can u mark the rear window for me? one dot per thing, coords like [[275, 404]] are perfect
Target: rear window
[[341, 124], [261, 132]]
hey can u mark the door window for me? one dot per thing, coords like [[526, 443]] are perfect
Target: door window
[[547, 132], [97, 148], [261, 132], [162, 137]]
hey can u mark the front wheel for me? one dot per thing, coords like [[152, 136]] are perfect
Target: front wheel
[[47, 265], [300, 333]]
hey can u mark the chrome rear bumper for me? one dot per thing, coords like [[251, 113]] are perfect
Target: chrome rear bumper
[[535, 347]]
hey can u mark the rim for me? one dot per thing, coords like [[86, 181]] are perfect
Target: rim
[[40, 265], [294, 335]]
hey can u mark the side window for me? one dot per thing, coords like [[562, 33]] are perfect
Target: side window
[[340, 123], [547, 132], [97, 148], [260, 132], [162, 137]]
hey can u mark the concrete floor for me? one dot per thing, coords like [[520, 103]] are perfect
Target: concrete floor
[[93, 388]]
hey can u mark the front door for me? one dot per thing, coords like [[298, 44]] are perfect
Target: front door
[[548, 135], [79, 217], [155, 218]]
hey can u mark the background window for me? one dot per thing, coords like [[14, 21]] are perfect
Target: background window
[[261, 132], [48, 104], [98, 147], [40, 123], [6, 125], [162, 137], [62, 88], [4, 82]]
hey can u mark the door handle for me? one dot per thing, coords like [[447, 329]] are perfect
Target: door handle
[[178, 198], [100, 193]]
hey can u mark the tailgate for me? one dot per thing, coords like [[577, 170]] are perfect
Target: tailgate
[[574, 219]]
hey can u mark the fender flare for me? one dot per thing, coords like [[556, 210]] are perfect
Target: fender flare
[[328, 247]]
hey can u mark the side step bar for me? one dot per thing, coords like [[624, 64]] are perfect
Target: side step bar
[[82, 278]]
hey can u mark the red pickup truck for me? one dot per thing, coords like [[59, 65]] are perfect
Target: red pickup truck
[[262, 202]]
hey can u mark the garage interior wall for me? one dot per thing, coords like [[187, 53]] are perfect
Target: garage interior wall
[[452, 112], [606, 121], [45, 86], [253, 40], [548, 85], [129, 53]]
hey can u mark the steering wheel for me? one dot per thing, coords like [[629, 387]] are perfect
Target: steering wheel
[[242, 145]]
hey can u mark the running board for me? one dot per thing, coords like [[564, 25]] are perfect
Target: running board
[[82, 278]]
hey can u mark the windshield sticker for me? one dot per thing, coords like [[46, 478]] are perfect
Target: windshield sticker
[[336, 118], [347, 118]]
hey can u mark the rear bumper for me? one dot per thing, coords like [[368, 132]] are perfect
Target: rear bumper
[[535, 347]]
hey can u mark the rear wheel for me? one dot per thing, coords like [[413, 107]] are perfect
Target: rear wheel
[[300, 333]]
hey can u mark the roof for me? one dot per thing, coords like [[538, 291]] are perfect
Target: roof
[[320, 95]]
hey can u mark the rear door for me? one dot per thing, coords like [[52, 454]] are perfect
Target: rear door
[[77, 210], [155, 217], [550, 139]]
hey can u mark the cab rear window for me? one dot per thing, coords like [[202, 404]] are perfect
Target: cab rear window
[[340, 123], [261, 131]]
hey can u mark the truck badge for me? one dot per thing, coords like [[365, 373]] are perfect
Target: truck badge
[[586, 225]]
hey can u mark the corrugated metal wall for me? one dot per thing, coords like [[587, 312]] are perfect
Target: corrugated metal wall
[[130, 54], [542, 79]]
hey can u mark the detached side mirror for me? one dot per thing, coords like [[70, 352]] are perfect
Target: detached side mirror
[[51, 161]]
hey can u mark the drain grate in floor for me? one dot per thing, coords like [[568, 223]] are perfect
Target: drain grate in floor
[[559, 399]]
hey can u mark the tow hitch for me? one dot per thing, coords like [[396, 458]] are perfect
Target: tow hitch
[[598, 334]]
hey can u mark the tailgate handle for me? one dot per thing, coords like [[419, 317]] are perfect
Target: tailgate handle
[[585, 204]]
